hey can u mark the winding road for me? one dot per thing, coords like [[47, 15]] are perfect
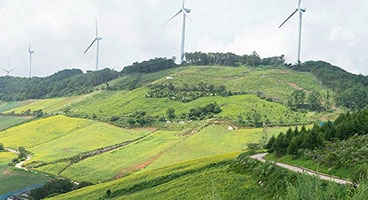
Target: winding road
[[261, 158], [20, 164]]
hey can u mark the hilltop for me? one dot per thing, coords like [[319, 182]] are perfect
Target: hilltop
[[162, 124]]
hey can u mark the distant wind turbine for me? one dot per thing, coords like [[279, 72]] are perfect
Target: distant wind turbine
[[301, 11], [185, 12], [8, 71], [30, 52], [97, 39]]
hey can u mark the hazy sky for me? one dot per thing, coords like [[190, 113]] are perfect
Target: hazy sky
[[133, 30]]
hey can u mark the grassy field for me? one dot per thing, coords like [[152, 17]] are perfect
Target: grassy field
[[59, 137], [5, 106], [199, 179], [310, 164], [161, 149], [46, 105], [274, 82], [9, 121], [107, 104], [11, 179], [277, 83]]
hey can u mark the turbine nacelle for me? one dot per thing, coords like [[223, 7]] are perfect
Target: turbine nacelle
[[186, 10], [302, 9]]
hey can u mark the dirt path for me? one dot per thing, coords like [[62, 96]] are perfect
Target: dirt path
[[20, 165], [260, 157]]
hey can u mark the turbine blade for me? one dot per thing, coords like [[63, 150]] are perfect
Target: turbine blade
[[183, 4], [288, 18], [96, 29], [90, 45], [12, 70], [186, 15], [174, 16], [300, 2]]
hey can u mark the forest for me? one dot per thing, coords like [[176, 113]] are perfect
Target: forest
[[63, 83]]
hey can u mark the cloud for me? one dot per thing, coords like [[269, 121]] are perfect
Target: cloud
[[133, 30]]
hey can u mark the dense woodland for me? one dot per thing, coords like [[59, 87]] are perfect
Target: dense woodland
[[63, 83]]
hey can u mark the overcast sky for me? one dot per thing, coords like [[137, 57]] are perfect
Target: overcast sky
[[133, 30]]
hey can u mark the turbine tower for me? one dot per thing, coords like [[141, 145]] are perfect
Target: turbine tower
[[185, 12], [301, 11], [30, 52], [8, 71], [97, 39]]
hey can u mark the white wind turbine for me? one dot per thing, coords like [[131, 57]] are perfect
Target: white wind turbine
[[8, 71], [97, 39], [301, 11], [30, 52], [185, 12]]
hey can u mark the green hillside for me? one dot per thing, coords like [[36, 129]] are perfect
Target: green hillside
[[9, 121], [12, 180], [160, 149], [46, 105], [260, 85], [55, 139]]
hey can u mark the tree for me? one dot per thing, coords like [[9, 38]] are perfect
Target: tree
[[315, 101], [171, 113], [2, 147]]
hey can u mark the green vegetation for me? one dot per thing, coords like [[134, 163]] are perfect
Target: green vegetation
[[230, 59], [351, 89], [61, 84], [116, 107], [56, 139], [339, 146], [58, 186], [9, 121], [46, 105], [160, 149], [12, 179], [218, 177]]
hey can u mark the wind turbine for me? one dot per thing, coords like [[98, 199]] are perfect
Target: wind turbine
[[97, 39], [301, 11], [185, 12], [30, 52], [8, 71]]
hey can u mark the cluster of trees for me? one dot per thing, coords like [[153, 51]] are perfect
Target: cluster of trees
[[150, 66], [55, 187], [205, 112], [64, 83], [230, 59], [299, 100], [295, 142], [351, 90], [199, 113], [187, 94]]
